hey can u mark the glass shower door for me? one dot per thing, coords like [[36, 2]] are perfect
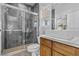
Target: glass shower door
[[17, 27], [13, 28]]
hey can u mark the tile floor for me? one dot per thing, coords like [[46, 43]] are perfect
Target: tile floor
[[17, 51]]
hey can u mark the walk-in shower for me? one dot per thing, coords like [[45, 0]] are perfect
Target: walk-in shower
[[18, 26]]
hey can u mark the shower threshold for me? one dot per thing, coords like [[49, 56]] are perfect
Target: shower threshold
[[16, 51]]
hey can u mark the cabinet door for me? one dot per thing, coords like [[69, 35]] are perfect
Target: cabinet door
[[64, 49], [45, 51], [54, 53], [46, 42], [77, 51]]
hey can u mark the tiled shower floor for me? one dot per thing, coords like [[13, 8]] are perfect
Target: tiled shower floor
[[21, 52], [17, 51]]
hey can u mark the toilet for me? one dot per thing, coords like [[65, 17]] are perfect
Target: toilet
[[34, 48]]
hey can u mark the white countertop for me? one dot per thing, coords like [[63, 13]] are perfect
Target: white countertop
[[71, 42]]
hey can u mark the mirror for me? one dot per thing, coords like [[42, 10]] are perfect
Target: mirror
[[61, 23], [58, 22]]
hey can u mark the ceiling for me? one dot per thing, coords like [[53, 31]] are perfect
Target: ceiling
[[30, 4]]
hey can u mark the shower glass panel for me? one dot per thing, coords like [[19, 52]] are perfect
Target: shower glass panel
[[18, 28], [12, 28], [28, 28]]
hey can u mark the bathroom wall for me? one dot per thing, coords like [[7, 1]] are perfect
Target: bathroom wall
[[45, 17], [61, 9], [36, 19], [73, 21], [72, 12]]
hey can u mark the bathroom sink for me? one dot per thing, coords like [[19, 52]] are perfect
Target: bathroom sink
[[75, 38], [66, 38]]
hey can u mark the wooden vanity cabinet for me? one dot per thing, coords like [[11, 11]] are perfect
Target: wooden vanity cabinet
[[77, 52], [45, 51], [45, 42], [45, 47], [53, 48], [64, 49]]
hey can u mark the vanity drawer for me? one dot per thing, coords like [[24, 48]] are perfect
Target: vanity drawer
[[64, 49], [46, 42]]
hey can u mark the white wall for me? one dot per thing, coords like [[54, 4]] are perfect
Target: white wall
[[73, 21], [44, 14], [64, 8], [71, 10]]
